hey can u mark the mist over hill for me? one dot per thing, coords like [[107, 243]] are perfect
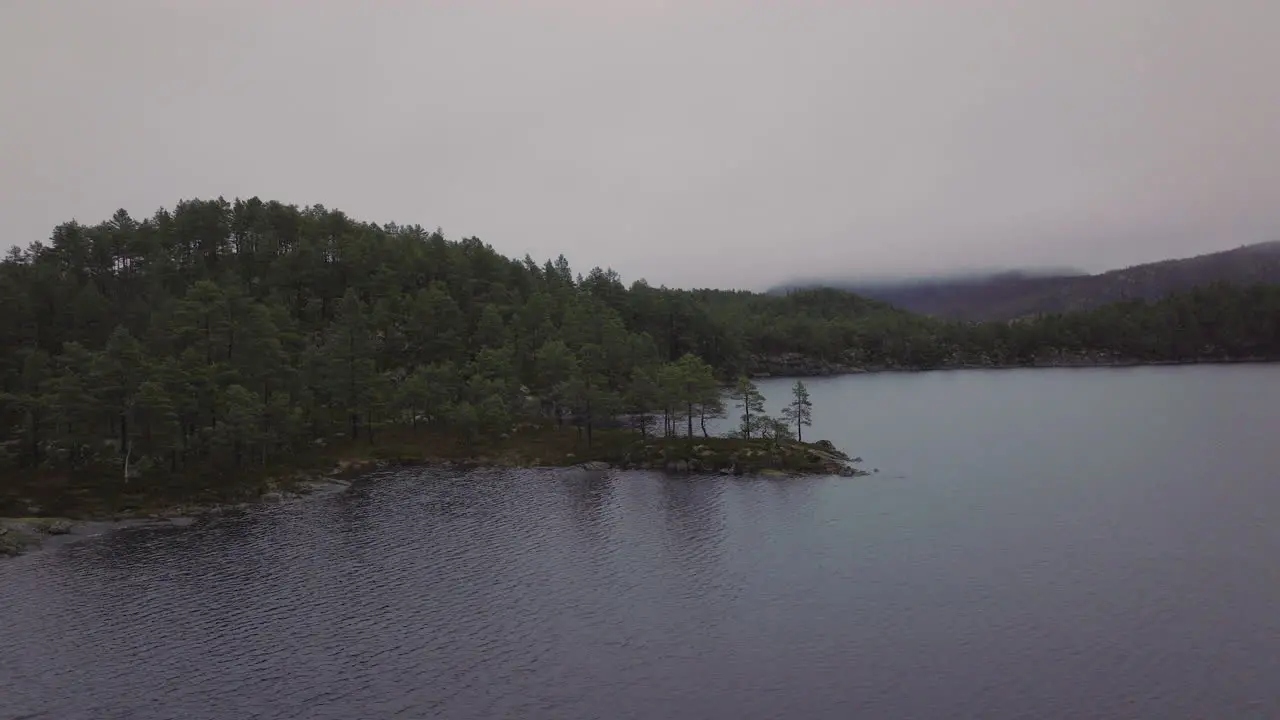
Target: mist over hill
[[1008, 294]]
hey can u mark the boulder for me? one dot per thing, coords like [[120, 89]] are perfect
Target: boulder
[[13, 541], [58, 527]]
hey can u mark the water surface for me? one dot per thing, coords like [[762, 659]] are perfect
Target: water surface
[[1037, 544]]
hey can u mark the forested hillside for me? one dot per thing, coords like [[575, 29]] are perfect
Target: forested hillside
[[226, 335], [1006, 296]]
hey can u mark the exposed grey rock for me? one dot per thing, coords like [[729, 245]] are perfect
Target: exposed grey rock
[[58, 527], [9, 546], [15, 537]]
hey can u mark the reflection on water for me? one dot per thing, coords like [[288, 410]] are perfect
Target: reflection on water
[[1042, 544]]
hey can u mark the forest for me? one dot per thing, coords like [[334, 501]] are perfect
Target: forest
[[219, 336]]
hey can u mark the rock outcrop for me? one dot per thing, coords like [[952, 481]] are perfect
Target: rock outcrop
[[12, 541], [734, 456]]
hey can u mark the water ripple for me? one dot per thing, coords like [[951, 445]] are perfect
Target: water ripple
[[628, 595]]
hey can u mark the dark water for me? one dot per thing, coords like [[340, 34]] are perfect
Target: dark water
[[1038, 544]]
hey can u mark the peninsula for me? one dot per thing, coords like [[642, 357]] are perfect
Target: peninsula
[[218, 351]]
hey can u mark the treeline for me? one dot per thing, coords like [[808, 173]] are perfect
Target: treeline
[[1215, 322], [223, 335], [220, 335]]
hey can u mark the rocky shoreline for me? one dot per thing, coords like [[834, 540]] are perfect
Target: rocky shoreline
[[784, 460], [27, 534], [706, 456]]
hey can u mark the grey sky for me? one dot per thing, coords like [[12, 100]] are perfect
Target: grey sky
[[703, 143]]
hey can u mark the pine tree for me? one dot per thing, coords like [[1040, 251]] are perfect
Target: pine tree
[[117, 375], [588, 393], [464, 417], [800, 412], [695, 388], [156, 428], [642, 400], [438, 329], [750, 402], [777, 430], [351, 375], [711, 407], [491, 331], [555, 365], [241, 430]]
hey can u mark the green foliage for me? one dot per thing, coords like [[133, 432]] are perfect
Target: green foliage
[[555, 366], [641, 399], [799, 412], [466, 419], [776, 430], [491, 331], [750, 404], [240, 434], [692, 389], [234, 335]]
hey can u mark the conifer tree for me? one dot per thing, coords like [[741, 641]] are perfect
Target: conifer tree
[[799, 412], [750, 403]]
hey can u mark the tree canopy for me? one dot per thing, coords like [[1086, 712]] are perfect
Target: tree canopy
[[221, 335]]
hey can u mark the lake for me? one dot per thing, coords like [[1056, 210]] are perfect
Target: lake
[[1040, 544]]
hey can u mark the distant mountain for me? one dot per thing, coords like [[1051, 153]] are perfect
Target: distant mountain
[[1008, 295]]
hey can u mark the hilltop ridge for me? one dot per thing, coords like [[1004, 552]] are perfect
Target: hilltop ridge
[[1011, 294]]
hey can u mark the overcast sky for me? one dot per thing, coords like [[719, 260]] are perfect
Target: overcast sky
[[692, 142]]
